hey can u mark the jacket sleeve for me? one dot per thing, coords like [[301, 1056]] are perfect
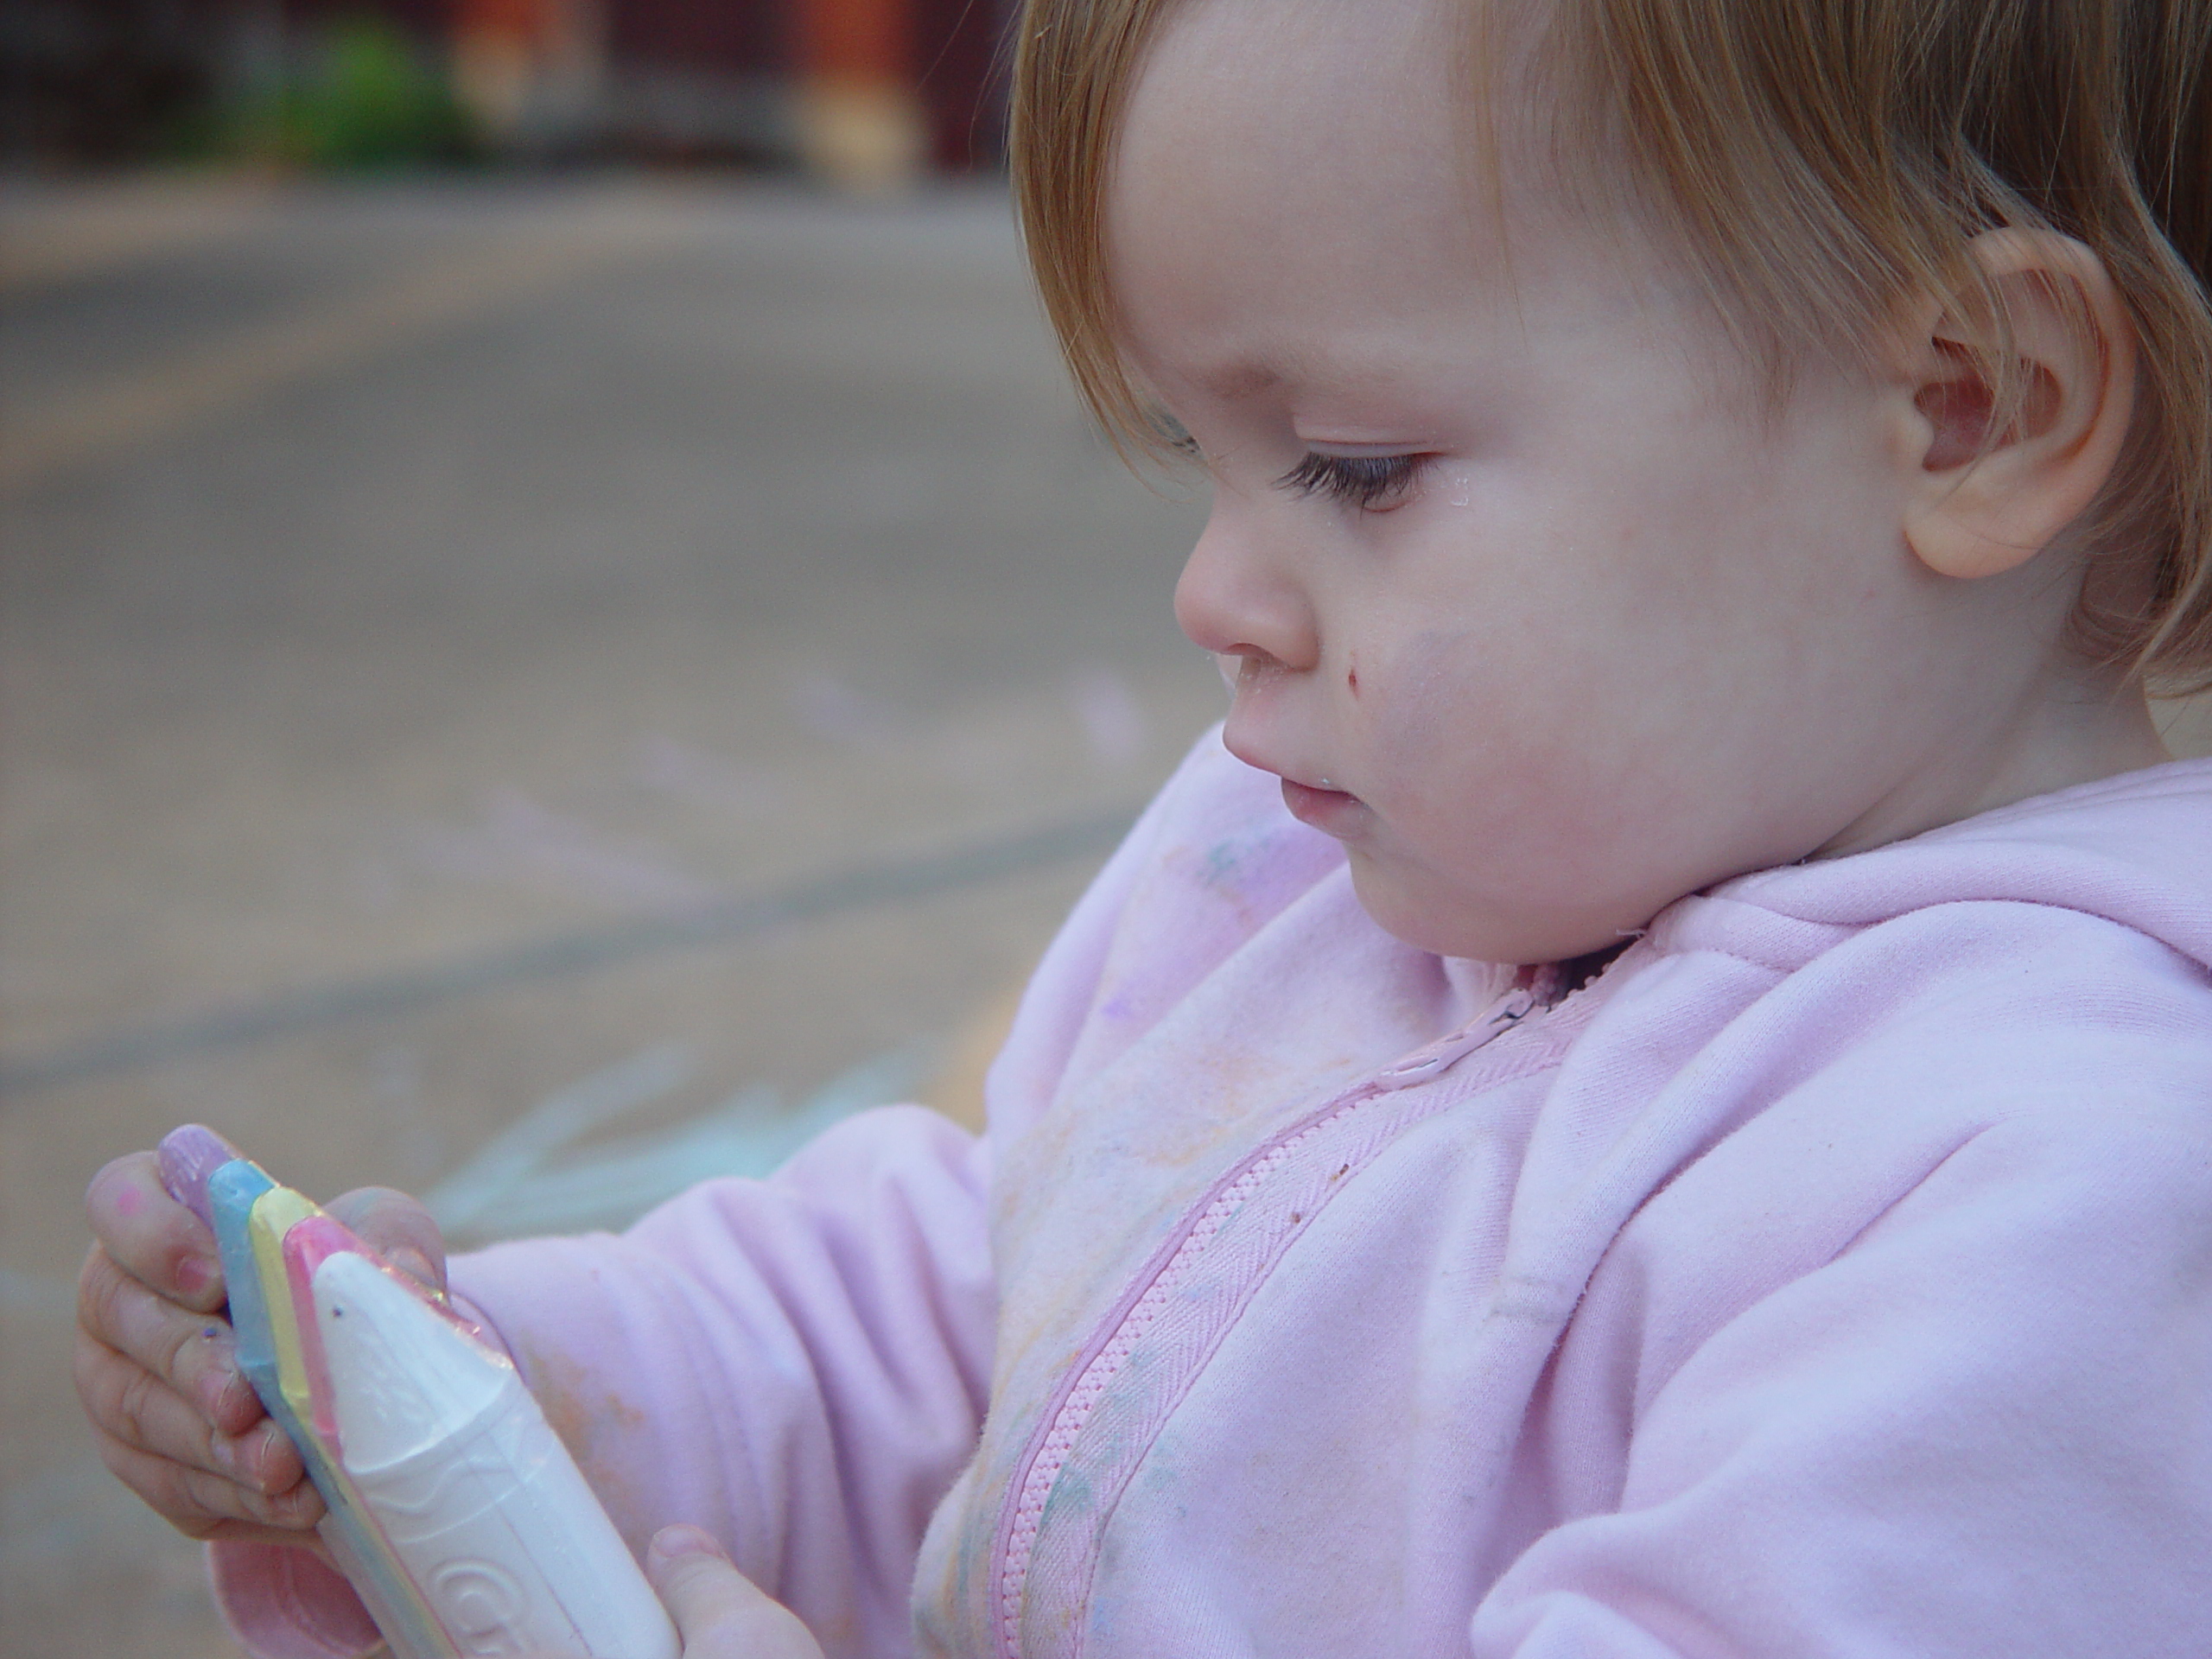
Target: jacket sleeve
[[1984, 1426], [798, 1364]]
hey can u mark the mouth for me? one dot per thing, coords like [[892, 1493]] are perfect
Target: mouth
[[1331, 811]]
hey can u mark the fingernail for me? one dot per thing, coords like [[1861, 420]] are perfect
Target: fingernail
[[670, 1543], [195, 1274], [412, 1262], [253, 1460], [217, 1389]]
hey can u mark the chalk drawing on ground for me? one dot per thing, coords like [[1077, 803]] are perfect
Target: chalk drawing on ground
[[534, 1177]]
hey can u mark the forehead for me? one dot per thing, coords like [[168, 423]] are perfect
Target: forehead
[[1291, 174], [1313, 191], [1247, 58], [1243, 108]]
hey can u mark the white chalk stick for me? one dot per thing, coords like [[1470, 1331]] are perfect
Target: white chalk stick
[[481, 1501]]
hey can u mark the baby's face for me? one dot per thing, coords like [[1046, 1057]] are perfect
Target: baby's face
[[1528, 606]]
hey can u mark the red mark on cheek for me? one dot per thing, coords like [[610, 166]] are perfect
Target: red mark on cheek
[[130, 1201], [1351, 679]]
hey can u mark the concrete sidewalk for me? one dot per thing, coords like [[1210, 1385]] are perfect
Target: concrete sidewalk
[[474, 648]]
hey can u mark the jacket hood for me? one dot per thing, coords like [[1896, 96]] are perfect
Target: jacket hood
[[2135, 849]]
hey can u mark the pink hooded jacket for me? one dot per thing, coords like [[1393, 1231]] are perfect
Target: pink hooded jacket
[[1833, 1274]]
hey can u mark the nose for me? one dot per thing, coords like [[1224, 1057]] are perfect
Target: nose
[[1236, 598]]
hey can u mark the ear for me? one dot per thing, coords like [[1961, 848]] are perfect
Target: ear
[[1978, 502]]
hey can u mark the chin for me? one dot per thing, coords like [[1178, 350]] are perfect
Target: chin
[[1423, 920], [1452, 924]]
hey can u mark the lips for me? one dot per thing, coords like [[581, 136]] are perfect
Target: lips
[[1329, 810], [1333, 811]]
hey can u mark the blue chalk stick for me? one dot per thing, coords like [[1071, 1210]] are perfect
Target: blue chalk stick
[[232, 1191]]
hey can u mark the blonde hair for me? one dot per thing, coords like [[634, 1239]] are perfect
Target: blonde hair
[[1819, 160]]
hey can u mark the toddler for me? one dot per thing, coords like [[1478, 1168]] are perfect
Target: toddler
[[1650, 1092]]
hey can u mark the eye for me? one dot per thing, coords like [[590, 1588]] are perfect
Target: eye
[[1173, 434], [1371, 483]]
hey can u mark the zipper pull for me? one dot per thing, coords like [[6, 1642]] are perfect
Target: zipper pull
[[1442, 1055]]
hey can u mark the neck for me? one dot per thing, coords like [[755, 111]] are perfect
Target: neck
[[2077, 725], [2088, 725]]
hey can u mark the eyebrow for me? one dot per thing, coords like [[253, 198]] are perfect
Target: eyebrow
[[1250, 376], [1243, 380]]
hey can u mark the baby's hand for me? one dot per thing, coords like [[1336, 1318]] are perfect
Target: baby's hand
[[718, 1611], [155, 1368]]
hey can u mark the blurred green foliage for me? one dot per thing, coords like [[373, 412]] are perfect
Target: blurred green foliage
[[362, 98]]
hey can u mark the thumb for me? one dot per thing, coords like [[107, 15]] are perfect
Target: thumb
[[397, 1228], [720, 1613]]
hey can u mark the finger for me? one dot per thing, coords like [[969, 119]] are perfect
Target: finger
[[397, 1228], [153, 1237], [204, 1505], [131, 1406], [720, 1612], [193, 1353]]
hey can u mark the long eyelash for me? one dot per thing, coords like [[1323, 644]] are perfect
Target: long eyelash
[[1172, 432], [1359, 480]]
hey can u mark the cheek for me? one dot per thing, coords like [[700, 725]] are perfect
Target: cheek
[[1420, 698], [1495, 742], [1471, 706], [1462, 735]]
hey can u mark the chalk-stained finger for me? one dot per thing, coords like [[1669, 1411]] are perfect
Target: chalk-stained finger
[[153, 1237], [207, 1506], [128, 1404], [398, 1228], [193, 1352]]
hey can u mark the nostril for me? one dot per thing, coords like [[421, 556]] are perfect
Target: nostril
[[1246, 670]]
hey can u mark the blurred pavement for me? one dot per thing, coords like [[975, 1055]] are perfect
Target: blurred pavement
[[482, 655]]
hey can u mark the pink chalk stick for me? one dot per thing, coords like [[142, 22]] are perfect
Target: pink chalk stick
[[306, 1247]]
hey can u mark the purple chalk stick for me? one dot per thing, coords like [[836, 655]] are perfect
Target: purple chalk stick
[[190, 1154]]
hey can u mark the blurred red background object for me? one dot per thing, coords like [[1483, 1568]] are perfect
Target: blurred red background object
[[864, 93]]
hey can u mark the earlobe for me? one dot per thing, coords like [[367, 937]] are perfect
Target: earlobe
[[1989, 485]]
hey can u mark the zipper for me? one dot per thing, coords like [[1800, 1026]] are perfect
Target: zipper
[[1446, 1052], [1151, 1293]]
